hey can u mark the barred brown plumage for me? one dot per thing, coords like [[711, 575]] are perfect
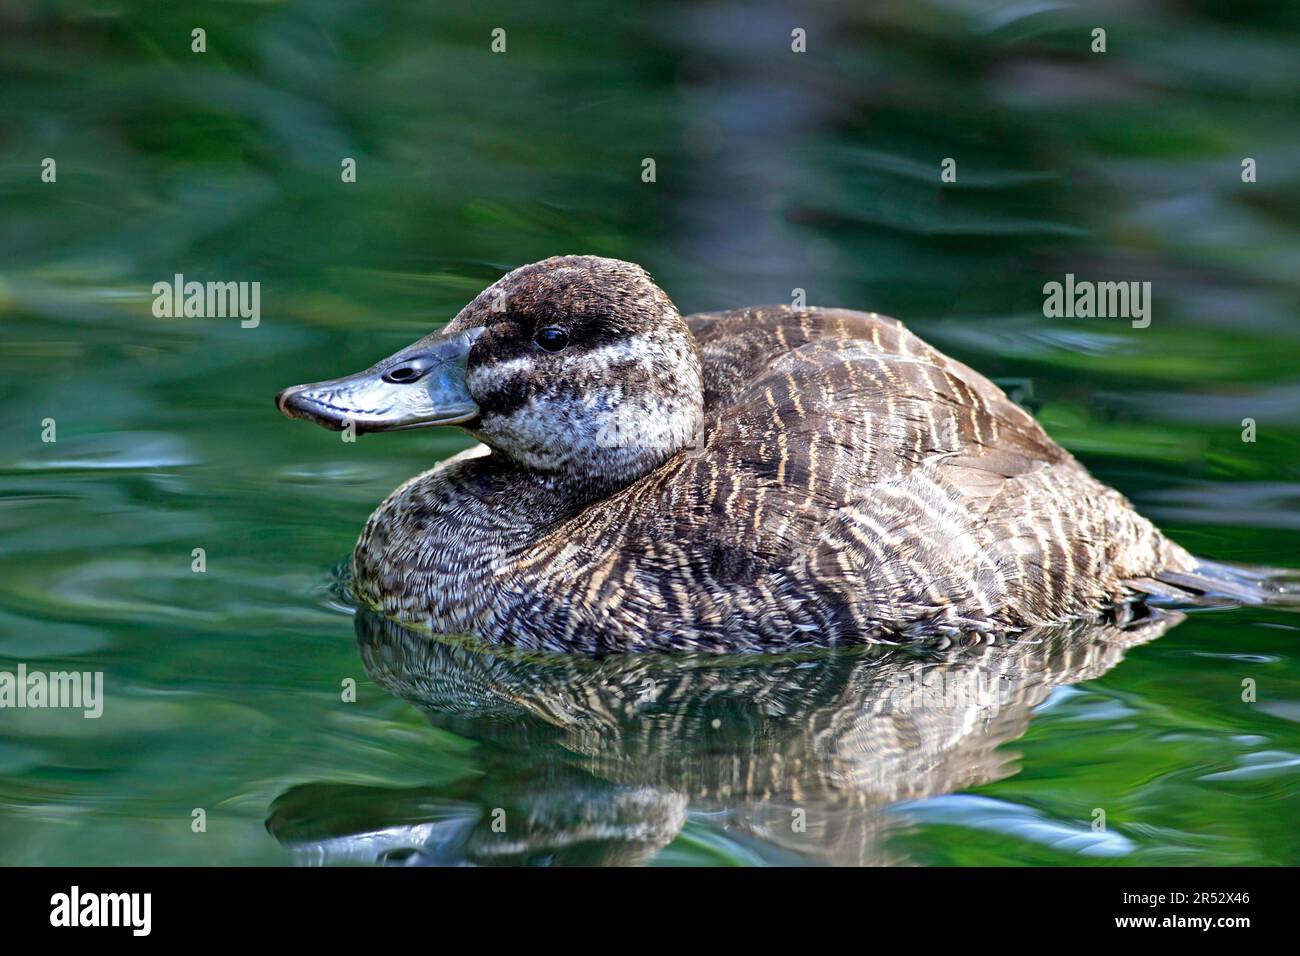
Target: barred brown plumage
[[753, 479]]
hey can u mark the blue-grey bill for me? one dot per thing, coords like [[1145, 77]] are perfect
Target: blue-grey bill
[[420, 386]]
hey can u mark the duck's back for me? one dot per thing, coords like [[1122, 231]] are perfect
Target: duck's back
[[851, 482]]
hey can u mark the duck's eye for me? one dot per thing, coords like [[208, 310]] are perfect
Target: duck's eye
[[551, 339]]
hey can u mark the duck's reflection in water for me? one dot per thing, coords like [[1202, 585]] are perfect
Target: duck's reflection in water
[[600, 762]]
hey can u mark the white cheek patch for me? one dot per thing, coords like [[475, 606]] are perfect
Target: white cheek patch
[[563, 435], [638, 426], [639, 348], [640, 402], [586, 366], [484, 377]]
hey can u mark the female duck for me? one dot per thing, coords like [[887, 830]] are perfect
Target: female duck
[[756, 479]]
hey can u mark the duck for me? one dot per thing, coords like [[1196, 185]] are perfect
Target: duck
[[750, 480]]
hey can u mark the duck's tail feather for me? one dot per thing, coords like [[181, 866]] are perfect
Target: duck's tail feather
[[1214, 582]]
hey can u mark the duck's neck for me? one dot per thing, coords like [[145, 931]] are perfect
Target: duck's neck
[[441, 550]]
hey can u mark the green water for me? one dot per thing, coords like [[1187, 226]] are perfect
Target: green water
[[774, 171]]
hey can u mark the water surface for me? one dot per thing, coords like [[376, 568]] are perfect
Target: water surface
[[775, 171]]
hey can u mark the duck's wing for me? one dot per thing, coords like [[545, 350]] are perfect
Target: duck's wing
[[823, 365], [821, 406], [843, 452]]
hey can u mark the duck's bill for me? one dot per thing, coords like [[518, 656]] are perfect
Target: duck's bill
[[420, 386]]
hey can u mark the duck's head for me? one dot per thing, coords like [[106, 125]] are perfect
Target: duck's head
[[575, 365]]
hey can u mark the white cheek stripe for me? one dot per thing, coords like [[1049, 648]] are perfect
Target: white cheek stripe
[[636, 346], [488, 373]]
